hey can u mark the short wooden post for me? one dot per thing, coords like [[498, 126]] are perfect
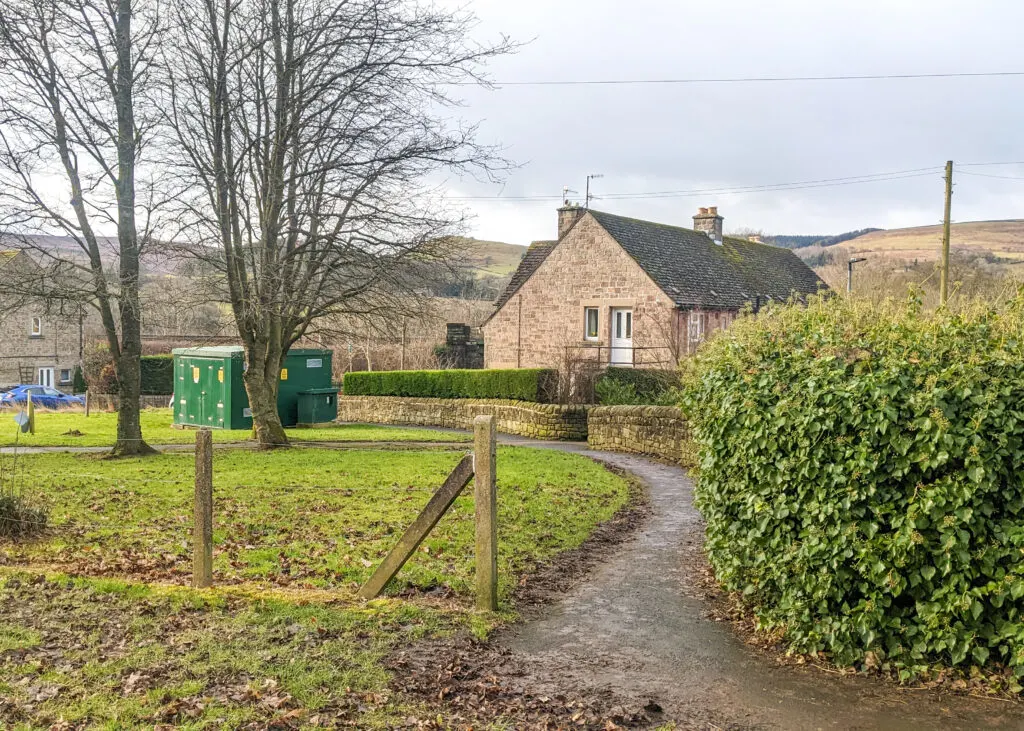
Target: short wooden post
[[486, 498], [202, 534], [87, 403], [31, 409]]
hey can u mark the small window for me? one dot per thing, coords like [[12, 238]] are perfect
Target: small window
[[65, 375], [629, 326], [591, 318], [37, 327], [696, 327]]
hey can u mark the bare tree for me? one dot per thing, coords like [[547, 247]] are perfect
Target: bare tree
[[70, 145], [307, 131]]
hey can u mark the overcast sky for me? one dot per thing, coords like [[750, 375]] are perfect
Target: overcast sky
[[724, 136]]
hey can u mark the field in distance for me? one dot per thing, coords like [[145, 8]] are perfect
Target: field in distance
[[1005, 239]]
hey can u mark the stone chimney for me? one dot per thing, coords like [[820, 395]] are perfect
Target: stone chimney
[[567, 216], [708, 221]]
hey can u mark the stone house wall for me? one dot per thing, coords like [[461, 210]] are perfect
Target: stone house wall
[[543, 421], [542, 325], [57, 345]]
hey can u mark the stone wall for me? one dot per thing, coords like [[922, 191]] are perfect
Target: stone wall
[[543, 421], [658, 431]]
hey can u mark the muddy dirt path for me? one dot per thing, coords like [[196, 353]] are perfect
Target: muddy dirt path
[[638, 628]]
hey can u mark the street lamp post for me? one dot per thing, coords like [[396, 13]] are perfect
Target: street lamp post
[[849, 271]]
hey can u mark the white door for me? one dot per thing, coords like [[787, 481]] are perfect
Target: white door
[[622, 337], [45, 377]]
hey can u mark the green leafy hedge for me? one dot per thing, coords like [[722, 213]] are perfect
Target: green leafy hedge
[[157, 375], [862, 477], [636, 387], [521, 384]]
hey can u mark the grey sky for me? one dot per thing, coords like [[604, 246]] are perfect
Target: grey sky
[[687, 137]]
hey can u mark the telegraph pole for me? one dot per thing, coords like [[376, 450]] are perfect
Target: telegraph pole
[[944, 272]]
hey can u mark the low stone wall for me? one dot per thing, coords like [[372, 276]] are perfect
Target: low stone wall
[[543, 421], [658, 431]]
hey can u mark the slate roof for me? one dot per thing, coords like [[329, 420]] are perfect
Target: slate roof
[[694, 271], [690, 268], [533, 258]]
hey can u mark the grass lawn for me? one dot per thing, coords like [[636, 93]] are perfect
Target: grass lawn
[[73, 429], [307, 517], [281, 640]]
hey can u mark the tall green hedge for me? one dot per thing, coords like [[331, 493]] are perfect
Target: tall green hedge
[[636, 386], [157, 375], [862, 477], [522, 384]]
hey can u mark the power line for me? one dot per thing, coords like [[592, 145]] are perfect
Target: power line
[[769, 187], [746, 79], [988, 175]]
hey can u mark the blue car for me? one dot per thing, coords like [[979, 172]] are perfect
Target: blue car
[[43, 396]]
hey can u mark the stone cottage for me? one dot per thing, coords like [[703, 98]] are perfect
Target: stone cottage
[[40, 341], [620, 291]]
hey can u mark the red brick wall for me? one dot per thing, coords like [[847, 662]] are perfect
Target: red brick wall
[[588, 268]]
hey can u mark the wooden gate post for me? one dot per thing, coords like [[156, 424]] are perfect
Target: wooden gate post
[[202, 532], [486, 499], [87, 403]]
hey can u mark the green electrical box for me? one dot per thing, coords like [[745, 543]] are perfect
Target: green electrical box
[[209, 391], [318, 405]]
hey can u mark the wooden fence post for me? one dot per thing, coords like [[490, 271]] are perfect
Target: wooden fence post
[[202, 532], [87, 403], [486, 499], [30, 408]]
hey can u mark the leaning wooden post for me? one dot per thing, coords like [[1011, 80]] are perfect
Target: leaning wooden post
[[486, 498], [202, 534], [30, 408], [87, 403]]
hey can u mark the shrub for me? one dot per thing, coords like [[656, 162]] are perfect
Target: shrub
[[861, 473], [78, 384], [522, 384], [636, 386], [157, 375]]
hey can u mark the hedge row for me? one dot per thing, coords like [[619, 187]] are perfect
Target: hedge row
[[637, 387], [862, 477], [157, 375], [522, 384]]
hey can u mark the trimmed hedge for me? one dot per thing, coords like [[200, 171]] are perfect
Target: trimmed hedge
[[520, 384], [157, 375], [636, 387], [861, 473]]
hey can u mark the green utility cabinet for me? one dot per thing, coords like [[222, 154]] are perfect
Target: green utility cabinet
[[209, 391], [318, 405]]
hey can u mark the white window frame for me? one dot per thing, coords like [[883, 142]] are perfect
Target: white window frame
[[696, 326], [36, 327], [597, 324], [69, 379]]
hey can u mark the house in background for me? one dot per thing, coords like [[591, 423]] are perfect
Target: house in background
[[40, 342], [619, 291]]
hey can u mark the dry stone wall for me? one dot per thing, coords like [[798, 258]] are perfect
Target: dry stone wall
[[658, 431], [543, 421]]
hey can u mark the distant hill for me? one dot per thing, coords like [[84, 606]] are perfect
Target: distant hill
[[1003, 239], [800, 242], [492, 258]]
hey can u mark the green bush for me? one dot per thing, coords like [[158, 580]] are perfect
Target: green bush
[[522, 384], [78, 384], [861, 473], [157, 375], [636, 386]]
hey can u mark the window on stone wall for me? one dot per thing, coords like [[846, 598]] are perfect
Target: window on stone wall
[[696, 327], [591, 323], [37, 327], [65, 375]]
